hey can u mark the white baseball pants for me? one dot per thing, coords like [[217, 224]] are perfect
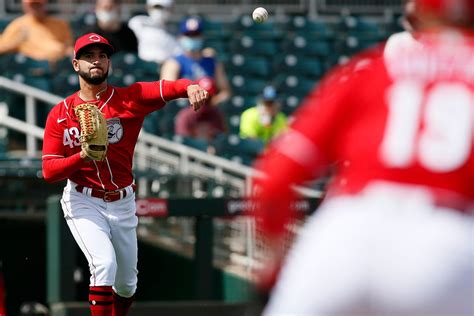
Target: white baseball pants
[[387, 251], [106, 234]]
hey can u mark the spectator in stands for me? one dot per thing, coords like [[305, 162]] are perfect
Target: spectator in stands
[[155, 43], [197, 62], [110, 25], [204, 125], [265, 120], [36, 34]]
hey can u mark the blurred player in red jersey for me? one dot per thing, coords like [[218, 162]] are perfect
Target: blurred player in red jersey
[[99, 200], [395, 233]]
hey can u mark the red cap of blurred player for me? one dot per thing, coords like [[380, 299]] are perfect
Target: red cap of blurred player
[[92, 39], [452, 10]]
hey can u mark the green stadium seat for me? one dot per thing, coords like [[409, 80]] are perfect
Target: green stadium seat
[[238, 103], [299, 65], [295, 85], [290, 102], [242, 84], [352, 45], [239, 149], [36, 73], [361, 28], [254, 46], [4, 21], [65, 84], [150, 124], [28, 66], [195, 143], [216, 30], [302, 44], [249, 65], [126, 63], [268, 30], [219, 45], [233, 123], [315, 29]]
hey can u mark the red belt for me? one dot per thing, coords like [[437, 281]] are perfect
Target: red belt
[[106, 195]]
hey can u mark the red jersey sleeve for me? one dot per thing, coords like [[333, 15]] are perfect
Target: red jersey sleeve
[[154, 95], [56, 166], [299, 154]]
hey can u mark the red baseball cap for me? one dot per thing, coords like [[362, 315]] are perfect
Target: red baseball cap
[[92, 39]]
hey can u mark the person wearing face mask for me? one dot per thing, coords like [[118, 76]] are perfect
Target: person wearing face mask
[[263, 121], [110, 25], [196, 61], [155, 43]]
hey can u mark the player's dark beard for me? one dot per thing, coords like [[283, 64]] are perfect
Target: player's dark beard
[[95, 80]]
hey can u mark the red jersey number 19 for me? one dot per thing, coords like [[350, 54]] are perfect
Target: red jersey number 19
[[433, 128]]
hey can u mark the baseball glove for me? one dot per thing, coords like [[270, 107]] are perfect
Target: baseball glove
[[93, 138]]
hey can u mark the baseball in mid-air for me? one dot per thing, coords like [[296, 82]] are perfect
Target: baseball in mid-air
[[260, 15]]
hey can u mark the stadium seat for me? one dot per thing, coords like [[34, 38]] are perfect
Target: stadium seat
[[65, 84], [126, 63], [243, 150], [352, 45], [195, 143], [299, 65], [36, 73], [218, 44], [290, 102], [233, 123], [249, 65], [298, 86], [316, 29], [4, 21], [151, 122], [28, 66], [253, 46], [302, 44], [3, 142], [81, 22], [361, 28], [216, 30], [247, 84], [165, 125], [268, 30], [238, 103]]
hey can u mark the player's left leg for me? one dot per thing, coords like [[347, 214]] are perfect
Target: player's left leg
[[124, 239]]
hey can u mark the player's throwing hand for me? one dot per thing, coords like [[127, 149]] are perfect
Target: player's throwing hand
[[197, 96]]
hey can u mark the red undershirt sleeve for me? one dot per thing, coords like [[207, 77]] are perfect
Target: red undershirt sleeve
[[171, 90], [57, 169]]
